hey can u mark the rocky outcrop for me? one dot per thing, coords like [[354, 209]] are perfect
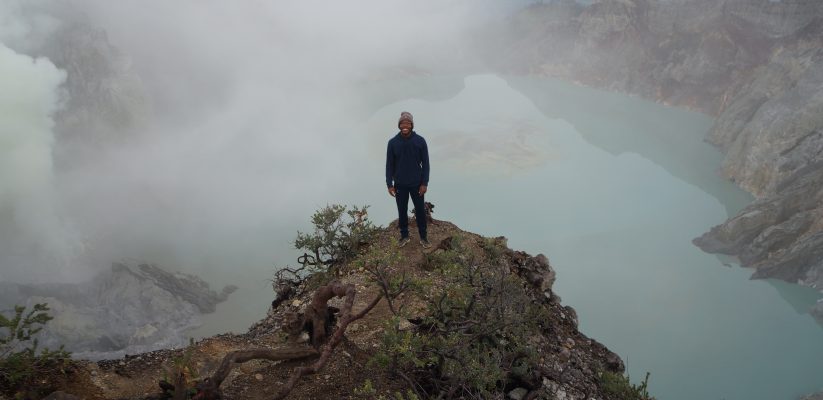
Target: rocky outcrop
[[772, 127], [781, 235], [563, 363], [757, 65], [772, 133], [131, 308]]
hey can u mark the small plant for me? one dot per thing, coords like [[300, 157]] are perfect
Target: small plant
[[382, 267], [620, 386], [20, 361], [494, 248], [179, 378], [367, 391], [335, 238]]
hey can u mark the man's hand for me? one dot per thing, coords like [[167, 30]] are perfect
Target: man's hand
[[392, 191], [422, 190]]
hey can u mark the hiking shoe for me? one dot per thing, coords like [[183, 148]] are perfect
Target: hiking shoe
[[403, 241], [425, 243]]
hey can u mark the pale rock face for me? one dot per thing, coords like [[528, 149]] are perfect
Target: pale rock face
[[775, 19], [602, 21], [130, 309], [774, 126], [773, 135]]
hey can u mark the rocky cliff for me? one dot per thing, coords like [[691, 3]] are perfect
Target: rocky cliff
[[757, 65], [131, 308]]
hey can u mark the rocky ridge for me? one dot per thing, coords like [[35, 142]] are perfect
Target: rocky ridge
[[568, 363], [757, 65]]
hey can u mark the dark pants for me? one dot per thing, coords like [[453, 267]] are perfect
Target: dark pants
[[402, 198]]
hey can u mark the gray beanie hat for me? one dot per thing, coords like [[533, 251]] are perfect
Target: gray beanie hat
[[405, 116]]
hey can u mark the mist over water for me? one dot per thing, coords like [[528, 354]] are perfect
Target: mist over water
[[254, 114], [249, 110], [195, 135]]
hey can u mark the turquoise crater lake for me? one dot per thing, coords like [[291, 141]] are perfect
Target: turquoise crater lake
[[612, 189]]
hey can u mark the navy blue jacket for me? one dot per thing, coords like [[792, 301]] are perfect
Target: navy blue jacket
[[407, 161]]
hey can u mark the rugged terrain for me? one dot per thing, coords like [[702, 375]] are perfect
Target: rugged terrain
[[756, 65], [566, 363], [130, 308]]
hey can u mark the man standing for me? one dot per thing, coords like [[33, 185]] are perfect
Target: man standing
[[407, 174]]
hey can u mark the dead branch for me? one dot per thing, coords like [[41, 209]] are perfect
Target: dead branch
[[383, 277], [241, 356], [180, 387], [327, 292], [208, 388], [285, 283], [317, 315]]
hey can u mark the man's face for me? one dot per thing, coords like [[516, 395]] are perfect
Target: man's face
[[405, 128]]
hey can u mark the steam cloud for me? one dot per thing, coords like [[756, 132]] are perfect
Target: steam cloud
[[33, 231], [254, 122]]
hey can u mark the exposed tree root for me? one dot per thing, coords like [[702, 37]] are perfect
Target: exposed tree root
[[317, 313], [321, 297]]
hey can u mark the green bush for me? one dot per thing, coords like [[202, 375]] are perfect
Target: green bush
[[620, 386], [474, 340], [181, 374], [20, 362], [494, 247], [338, 236]]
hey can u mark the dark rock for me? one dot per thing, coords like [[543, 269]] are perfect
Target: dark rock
[[536, 270], [614, 363]]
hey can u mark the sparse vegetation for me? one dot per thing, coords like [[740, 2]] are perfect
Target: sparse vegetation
[[382, 267], [474, 340], [469, 318], [180, 376], [620, 386], [20, 360], [368, 392]]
